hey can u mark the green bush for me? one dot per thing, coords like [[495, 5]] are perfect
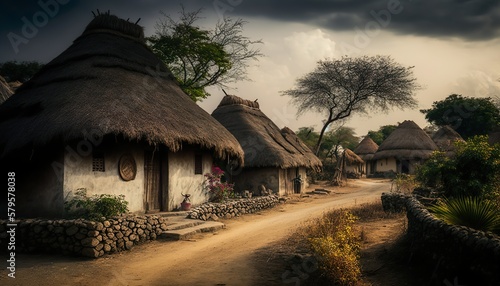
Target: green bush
[[334, 241], [474, 170], [95, 207], [469, 211]]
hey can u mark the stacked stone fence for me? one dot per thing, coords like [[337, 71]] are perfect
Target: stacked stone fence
[[233, 208], [80, 237], [454, 249]]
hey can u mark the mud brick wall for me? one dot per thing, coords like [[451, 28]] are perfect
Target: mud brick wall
[[233, 208], [82, 237], [455, 249]]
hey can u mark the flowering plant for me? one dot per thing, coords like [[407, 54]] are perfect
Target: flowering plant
[[219, 191]]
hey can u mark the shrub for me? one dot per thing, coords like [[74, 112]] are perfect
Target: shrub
[[334, 241], [469, 211], [95, 207], [403, 183], [219, 191]]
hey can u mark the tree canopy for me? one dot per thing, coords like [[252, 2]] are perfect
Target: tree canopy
[[468, 116], [199, 58], [339, 88], [19, 71], [333, 143]]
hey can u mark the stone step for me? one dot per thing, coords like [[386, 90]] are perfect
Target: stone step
[[185, 233], [182, 223], [173, 214]]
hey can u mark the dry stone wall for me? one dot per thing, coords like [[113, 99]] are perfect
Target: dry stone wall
[[83, 237], [233, 208], [454, 249]]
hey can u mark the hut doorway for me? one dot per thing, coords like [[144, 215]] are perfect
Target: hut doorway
[[152, 181]]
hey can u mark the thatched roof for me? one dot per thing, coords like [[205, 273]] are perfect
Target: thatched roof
[[366, 148], [109, 80], [407, 141], [14, 85], [262, 141], [445, 139], [5, 90], [351, 158]]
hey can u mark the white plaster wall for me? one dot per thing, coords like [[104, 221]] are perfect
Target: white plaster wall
[[182, 179], [387, 164], [78, 174], [250, 178]]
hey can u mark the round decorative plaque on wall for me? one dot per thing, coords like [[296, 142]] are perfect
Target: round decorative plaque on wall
[[127, 167]]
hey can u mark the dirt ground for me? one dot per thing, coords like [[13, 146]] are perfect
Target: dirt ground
[[244, 253]]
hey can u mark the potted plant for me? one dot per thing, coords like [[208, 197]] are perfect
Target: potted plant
[[186, 203]]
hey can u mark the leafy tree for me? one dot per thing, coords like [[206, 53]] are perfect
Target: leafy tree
[[199, 58], [339, 88], [382, 133], [333, 141], [19, 71], [467, 115]]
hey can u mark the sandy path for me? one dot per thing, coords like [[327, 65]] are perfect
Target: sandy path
[[221, 259]]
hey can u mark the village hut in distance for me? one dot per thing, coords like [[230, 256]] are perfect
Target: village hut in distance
[[365, 150], [274, 158], [445, 139], [107, 116], [406, 147]]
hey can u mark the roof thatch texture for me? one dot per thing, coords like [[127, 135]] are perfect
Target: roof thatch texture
[[366, 148], [5, 90], [407, 141], [351, 158], [445, 139], [109, 80], [264, 144], [14, 85]]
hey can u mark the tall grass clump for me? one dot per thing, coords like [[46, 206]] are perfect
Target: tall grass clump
[[334, 242], [472, 212]]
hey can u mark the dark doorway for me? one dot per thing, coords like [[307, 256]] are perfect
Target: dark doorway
[[152, 181]]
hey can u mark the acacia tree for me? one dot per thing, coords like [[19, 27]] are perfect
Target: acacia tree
[[339, 88], [200, 58]]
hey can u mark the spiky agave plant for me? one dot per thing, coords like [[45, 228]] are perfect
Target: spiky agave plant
[[469, 211]]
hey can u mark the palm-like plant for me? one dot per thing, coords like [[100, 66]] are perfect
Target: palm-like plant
[[469, 211]]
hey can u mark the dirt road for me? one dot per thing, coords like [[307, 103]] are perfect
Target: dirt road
[[224, 258]]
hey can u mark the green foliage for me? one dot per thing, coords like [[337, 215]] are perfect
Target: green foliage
[[404, 183], [473, 171], [469, 211], [199, 58], [333, 140], [95, 207], [382, 133], [334, 241], [468, 116], [19, 71]]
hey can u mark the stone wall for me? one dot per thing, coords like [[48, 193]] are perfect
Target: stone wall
[[82, 237], [455, 250], [233, 208]]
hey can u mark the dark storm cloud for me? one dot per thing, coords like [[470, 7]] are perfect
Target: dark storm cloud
[[467, 19]]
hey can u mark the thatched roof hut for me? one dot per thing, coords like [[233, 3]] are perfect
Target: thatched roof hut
[[262, 141], [109, 80], [351, 158], [366, 148], [445, 139], [407, 141], [5, 90]]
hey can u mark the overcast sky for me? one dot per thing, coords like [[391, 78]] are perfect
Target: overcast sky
[[454, 45]]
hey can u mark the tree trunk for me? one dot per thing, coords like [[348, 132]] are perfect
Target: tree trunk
[[320, 138]]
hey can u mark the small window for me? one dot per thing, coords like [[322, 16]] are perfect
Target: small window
[[198, 164], [98, 162]]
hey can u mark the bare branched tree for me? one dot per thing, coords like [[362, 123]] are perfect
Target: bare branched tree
[[339, 88], [199, 58]]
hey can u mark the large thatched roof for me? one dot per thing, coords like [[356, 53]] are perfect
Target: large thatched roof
[[445, 139], [5, 90], [262, 141], [407, 141], [108, 80], [366, 148]]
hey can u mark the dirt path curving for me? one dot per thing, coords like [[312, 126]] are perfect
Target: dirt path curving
[[224, 258]]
